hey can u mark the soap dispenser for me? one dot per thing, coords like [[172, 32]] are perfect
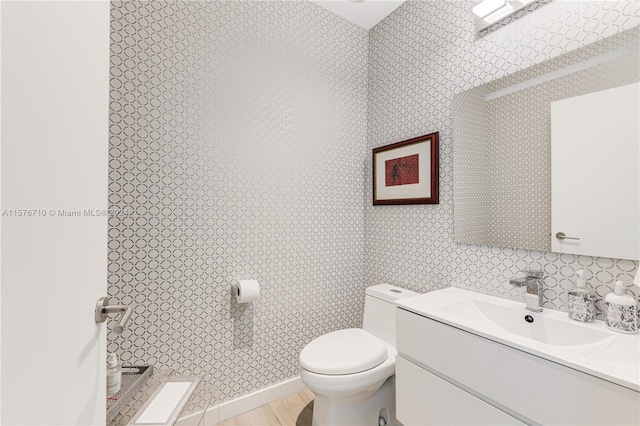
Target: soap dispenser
[[581, 300], [621, 310], [114, 375]]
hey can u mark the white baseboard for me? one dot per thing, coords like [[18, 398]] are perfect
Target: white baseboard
[[245, 403]]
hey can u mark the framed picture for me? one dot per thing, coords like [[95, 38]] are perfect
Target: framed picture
[[407, 172]]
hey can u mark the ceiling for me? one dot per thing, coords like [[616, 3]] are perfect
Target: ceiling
[[364, 13]]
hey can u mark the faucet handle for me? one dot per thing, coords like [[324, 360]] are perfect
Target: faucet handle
[[532, 273]]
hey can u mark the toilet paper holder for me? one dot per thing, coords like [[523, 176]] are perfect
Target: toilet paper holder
[[246, 291]]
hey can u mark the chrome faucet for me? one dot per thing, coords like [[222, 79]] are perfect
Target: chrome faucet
[[534, 281]]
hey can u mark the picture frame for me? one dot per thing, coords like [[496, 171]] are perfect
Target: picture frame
[[407, 172]]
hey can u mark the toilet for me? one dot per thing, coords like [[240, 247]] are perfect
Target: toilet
[[351, 372]]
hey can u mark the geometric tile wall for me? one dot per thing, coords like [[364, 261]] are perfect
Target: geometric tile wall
[[502, 152], [238, 144], [240, 138], [473, 182], [420, 57]]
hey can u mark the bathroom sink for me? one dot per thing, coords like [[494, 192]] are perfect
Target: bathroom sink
[[550, 334], [531, 325]]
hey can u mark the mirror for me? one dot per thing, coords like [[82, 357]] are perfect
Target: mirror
[[543, 152]]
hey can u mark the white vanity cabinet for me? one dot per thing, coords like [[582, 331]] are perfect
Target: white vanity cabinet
[[425, 399], [448, 376]]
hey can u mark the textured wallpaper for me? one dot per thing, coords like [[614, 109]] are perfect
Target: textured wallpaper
[[473, 183], [237, 143], [240, 138], [419, 58]]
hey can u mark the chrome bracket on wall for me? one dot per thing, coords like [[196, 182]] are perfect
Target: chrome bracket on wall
[[103, 309]]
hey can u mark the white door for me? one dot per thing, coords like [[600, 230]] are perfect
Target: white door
[[595, 162], [55, 77]]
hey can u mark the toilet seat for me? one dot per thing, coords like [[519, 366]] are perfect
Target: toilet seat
[[339, 387], [348, 351]]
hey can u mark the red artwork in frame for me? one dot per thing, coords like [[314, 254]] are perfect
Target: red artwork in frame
[[402, 171], [407, 172]]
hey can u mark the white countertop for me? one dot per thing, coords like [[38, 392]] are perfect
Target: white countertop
[[612, 356]]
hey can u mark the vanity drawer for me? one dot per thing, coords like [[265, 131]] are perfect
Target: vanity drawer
[[426, 399], [528, 387]]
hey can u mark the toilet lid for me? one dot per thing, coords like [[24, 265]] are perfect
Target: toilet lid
[[343, 352]]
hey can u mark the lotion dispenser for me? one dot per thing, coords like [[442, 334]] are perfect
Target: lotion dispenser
[[621, 310], [581, 300], [114, 375]]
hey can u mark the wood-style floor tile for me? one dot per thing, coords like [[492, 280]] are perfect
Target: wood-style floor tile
[[288, 409], [293, 410], [306, 395], [228, 422], [262, 416]]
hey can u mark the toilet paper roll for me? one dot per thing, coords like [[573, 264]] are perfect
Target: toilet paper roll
[[247, 291]]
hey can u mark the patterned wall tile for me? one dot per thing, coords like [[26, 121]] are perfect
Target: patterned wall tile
[[238, 132], [240, 137], [473, 182], [419, 58]]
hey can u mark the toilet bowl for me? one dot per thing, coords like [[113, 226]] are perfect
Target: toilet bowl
[[351, 372]]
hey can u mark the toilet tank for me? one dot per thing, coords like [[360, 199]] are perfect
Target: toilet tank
[[380, 311]]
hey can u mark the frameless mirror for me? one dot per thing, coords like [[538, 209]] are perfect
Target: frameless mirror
[[548, 158]]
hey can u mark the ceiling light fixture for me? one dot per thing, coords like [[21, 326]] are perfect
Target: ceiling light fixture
[[488, 12], [504, 11], [487, 7]]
